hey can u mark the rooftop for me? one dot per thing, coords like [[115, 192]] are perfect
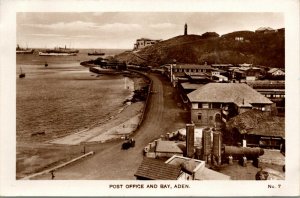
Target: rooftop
[[198, 167], [258, 123], [191, 66], [168, 147], [222, 65], [157, 170], [265, 28], [188, 85], [274, 70], [238, 93]]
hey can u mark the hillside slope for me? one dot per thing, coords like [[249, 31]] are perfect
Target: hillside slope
[[256, 48]]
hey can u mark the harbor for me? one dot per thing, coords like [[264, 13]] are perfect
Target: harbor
[[165, 105], [64, 84]]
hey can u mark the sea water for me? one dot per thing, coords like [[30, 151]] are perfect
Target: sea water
[[64, 97]]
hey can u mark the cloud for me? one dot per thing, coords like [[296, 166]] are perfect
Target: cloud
[[86, 26], [162, 25], [118, 27], [84, 36], [75, 25], [47, 35]]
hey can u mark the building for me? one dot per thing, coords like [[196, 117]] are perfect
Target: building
[[239, 38], [265, 30], [153, 169], [222, 66], [176, 168], [177, 72], [273, 90], [144, 42], [168, 149], [257, 129], [214, 102], [219, 78], [276, 72]]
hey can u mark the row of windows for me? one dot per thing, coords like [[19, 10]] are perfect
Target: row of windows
[[274, 96], [189, 70], [210, 105], [210, 117]]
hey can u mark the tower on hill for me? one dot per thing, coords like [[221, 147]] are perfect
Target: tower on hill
[[185, 29]]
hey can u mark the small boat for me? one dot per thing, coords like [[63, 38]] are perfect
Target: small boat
[[95, 53], [21, 75], [20, 50]]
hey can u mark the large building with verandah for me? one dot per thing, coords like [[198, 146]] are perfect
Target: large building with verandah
[[217, 102], [144, 42]]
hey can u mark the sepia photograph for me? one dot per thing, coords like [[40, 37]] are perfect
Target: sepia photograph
[[174, 97]]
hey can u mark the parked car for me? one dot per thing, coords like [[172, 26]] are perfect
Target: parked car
[[128, 143]]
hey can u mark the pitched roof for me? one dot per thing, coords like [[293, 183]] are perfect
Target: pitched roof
[[265, 28], [168, 147], [258, 123], [157, 170], [274, 70], [238, 93]]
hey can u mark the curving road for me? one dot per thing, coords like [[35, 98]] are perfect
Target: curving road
[[110, 162]]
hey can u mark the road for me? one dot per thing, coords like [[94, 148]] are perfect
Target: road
[[110, 162]]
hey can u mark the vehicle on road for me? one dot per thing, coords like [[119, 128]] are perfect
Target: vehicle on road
[[128, 143]]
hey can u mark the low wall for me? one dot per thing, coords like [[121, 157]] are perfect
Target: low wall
[[149, 150], [145, 109], [59, 166]]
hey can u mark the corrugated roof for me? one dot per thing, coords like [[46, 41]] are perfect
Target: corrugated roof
[[223, 65], [238, 93], [157, 170], [258, 123], [191, 66], [168, 147]]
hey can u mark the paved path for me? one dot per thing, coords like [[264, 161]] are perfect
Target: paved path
[[114, 163]]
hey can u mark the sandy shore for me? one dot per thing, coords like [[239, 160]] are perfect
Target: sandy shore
[[122, 124]]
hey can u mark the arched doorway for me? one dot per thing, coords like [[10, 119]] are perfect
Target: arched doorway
[[218, 118]]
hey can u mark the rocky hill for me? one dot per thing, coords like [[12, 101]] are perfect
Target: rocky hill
[[257, 48]]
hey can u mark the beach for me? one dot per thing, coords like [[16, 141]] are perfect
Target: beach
[[63, 105]]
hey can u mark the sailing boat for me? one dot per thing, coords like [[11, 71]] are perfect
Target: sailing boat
[[21, 75]]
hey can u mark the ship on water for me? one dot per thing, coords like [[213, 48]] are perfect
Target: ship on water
[[59, 51], [95, 53], [20, 50]]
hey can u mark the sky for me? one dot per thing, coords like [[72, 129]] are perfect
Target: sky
[[119, 30]]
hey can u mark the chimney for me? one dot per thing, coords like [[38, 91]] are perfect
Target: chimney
[[190, 131], [206, 144]]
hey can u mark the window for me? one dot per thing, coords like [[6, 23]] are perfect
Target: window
[[205, 105], [211, 117], [199, 116], [199, 105], [216, 105]]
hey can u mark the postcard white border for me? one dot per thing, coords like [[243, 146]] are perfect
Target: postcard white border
[[12, 187]]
